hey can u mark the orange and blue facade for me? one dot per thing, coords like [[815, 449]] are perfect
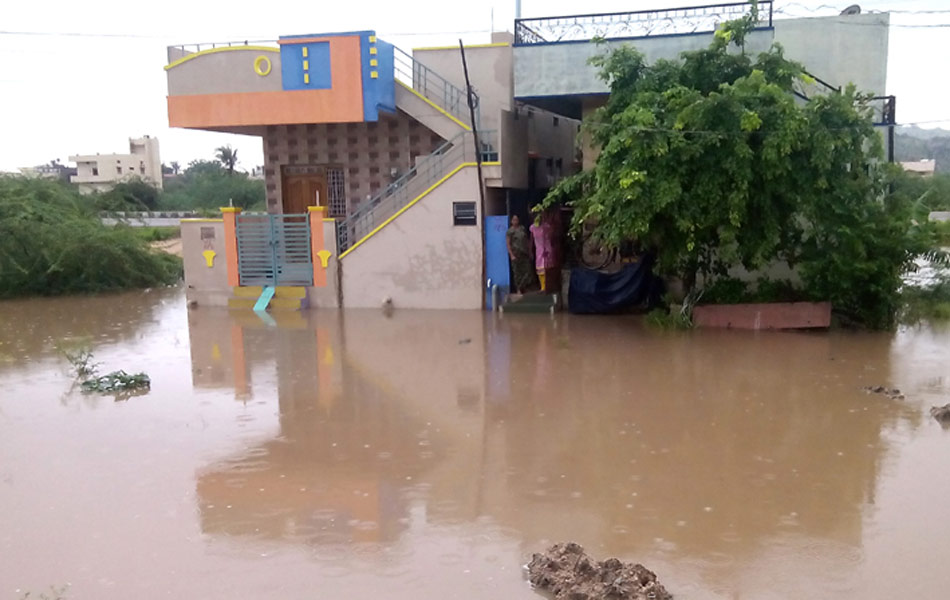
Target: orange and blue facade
[[322, 78]]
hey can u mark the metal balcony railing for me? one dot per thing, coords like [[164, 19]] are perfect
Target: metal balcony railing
[[634, 24], [432, 86], [412, 184], [199, 46]]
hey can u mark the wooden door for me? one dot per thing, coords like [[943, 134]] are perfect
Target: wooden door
[[301, 191]]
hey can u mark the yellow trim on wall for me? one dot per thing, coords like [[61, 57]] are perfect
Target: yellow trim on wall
[[304, 49], [372, 50], [435, 106], [306, 78], [373, 62], [466, 46], [413, 202], [188, 57]]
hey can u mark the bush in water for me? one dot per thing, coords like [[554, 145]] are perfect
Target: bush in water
[[52, 242]]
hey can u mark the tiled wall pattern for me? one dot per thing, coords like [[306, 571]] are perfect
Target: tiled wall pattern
[[366, 152]]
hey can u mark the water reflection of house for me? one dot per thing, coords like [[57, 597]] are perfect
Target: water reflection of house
[[345, 449], [606, 434]]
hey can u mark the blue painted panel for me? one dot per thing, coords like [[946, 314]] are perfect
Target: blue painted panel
[[316, 61], [496, 254], [370, 95], [386, 82]]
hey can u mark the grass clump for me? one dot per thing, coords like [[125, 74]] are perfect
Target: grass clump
[[123, 385]]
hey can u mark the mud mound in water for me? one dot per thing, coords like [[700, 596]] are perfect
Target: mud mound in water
[[570, 574]]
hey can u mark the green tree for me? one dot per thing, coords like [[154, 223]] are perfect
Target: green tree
[[52, 242], [175, 167], [207, 185], [713, 162], [133, 194], [227, 156]]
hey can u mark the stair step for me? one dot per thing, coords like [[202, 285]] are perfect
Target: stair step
[[281, 291], [285, 319], [247, 303], [530, 303]]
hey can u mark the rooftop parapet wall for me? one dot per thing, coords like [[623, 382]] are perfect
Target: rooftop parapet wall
[[551, 55]]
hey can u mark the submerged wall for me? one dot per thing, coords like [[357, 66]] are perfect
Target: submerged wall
[[204, 284]]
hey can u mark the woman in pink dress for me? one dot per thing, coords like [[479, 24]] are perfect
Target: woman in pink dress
[[542, 231]]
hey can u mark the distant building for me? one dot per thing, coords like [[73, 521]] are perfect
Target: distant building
[[924, 168], [100, 172], [52, 170]]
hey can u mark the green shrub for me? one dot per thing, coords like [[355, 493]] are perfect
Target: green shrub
[[929, 301], [52, 242], [157, 234], [729, 290], [725, 290]]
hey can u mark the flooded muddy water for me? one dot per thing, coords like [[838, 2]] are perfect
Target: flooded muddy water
[[427, 455]]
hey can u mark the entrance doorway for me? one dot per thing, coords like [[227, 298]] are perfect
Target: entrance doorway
[[303, 190]]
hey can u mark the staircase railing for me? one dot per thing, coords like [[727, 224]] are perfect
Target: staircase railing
[[427, 172], [432, 86]]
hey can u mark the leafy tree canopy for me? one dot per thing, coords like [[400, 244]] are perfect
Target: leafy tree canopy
[[713, 161]]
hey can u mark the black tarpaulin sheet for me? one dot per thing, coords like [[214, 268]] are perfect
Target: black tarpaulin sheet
[[593, 292]]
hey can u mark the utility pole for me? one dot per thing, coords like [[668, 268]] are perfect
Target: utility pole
[[470, 94]]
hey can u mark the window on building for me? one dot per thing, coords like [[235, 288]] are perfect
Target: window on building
[[118, 169], [95, 171], [141, 166], [464, 214]]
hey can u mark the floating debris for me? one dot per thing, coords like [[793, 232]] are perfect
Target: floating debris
[[941, 414], [892, 393], [570, 573], [117, 381]]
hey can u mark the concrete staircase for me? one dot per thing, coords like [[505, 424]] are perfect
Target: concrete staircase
[[532, 302], [285, 298]]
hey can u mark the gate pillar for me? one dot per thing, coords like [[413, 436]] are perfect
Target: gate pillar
[[229, 214]]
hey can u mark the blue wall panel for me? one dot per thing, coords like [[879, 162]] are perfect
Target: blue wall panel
[[306, 66], [496, 254]]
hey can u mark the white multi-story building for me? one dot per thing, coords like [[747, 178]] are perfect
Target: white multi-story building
[[100, 172]]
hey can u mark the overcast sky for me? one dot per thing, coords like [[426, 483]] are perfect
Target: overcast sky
[[82, 77]]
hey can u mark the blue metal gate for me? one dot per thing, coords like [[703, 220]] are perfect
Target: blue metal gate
[[274, 250]]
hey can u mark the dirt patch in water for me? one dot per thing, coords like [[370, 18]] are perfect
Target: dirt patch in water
[[569, 573]]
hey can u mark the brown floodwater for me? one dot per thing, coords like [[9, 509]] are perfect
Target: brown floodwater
[[427, 455]]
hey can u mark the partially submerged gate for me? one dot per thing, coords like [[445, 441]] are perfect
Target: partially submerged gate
[[274, 250]]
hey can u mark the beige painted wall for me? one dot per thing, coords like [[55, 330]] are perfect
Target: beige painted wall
[[489, 68], [420, 259], [327, 297], [514, 147], [206, 286], [588, 149], [226, 72], [531, 132]]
